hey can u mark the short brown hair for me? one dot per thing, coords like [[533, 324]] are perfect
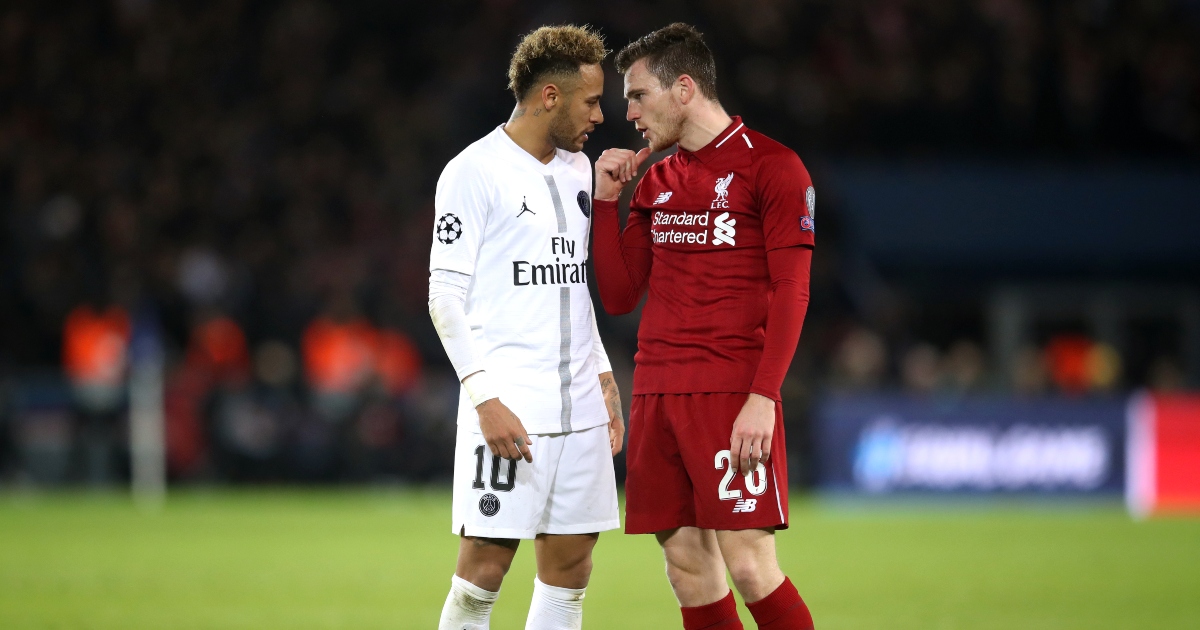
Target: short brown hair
[[671, 51], [553, 50]]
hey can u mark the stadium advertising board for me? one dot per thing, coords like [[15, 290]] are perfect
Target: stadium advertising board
[[894, 443]]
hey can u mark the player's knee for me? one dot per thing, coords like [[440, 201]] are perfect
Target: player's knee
[[684, 568], [566, 571], [752, 576], [487, 573], [679, 577], [575, 571]]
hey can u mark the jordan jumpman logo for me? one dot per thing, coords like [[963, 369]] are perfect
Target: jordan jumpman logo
[[525, 208]]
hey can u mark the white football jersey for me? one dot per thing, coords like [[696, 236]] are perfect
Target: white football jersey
[[520, 229]]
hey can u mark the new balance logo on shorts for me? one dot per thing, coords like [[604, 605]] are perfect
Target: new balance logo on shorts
[[745, 505]]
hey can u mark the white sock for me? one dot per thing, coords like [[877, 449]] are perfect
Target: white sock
[[555, 608], [468, 607]]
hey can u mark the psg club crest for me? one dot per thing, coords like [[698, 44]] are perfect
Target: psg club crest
[[585, 204], [489, 505], [449, 229]]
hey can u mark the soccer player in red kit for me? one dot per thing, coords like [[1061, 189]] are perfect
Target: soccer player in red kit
[[721, 235]]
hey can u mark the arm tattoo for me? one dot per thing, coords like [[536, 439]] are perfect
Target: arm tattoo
[[612, 397]]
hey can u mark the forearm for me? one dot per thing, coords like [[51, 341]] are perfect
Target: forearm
[[622, 259], [447, 309], [612, 396], [789, 269]]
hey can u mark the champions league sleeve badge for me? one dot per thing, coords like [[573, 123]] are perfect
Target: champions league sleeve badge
[[585, 203], [449, 229]]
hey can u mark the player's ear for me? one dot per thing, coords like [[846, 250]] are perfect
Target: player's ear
[[685, 89], [551, 95]]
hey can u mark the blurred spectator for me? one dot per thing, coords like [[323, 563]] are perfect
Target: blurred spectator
[[275, 364], [1078, 364], [216, 357], [219, 347], [1031, 374], [920, 370], [965, 366], [95, 356], [339, 360], [861, 360], [397, 362]]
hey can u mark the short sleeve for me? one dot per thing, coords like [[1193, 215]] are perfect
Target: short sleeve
[[787, 202], [461, 205]]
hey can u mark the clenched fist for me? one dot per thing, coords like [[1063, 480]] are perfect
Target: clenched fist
[[614, 169]]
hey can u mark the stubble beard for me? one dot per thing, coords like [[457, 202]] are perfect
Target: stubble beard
[[562, 132], [669, 131]]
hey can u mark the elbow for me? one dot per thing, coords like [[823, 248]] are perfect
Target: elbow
[[617, 305], [621, 309]]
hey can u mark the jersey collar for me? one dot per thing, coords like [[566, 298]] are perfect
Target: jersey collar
[[522, 154], [719, 145]]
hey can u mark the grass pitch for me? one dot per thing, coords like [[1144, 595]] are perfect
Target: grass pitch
[[383, 559]]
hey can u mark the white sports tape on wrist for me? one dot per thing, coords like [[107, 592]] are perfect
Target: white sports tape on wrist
[[480, 388]]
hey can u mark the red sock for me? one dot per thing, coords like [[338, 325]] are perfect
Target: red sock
[[719, 615], [782, 610]]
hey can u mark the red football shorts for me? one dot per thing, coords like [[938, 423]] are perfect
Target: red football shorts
[[679, 473]]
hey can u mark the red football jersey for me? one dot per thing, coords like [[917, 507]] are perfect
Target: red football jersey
[[710, 217]]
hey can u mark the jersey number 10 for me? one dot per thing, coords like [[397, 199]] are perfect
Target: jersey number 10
[[510, 478]]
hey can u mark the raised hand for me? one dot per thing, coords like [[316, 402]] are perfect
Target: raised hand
[[614, 169], [503, 431]]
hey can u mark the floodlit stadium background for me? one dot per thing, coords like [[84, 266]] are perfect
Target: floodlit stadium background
[[217, 216]]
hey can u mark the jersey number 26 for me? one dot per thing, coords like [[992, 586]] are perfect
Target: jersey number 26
[[756, 482]]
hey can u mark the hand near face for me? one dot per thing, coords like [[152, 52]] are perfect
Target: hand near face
[[615, 169]]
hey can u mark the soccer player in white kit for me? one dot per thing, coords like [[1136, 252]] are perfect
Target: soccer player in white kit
[[539, 415]]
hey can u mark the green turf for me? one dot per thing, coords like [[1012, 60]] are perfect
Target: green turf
[[383, 559]]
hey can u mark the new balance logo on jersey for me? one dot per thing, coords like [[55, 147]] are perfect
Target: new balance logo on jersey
[[525, 208], [722, 190], [723, 230], [745, 505], [662, 197]]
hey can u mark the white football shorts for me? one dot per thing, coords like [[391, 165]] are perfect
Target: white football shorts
[[570, 488]]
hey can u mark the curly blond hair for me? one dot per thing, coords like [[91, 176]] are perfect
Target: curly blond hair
[[550, 51]]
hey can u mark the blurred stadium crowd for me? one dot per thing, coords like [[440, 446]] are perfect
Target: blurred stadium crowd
[[250, 185]]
